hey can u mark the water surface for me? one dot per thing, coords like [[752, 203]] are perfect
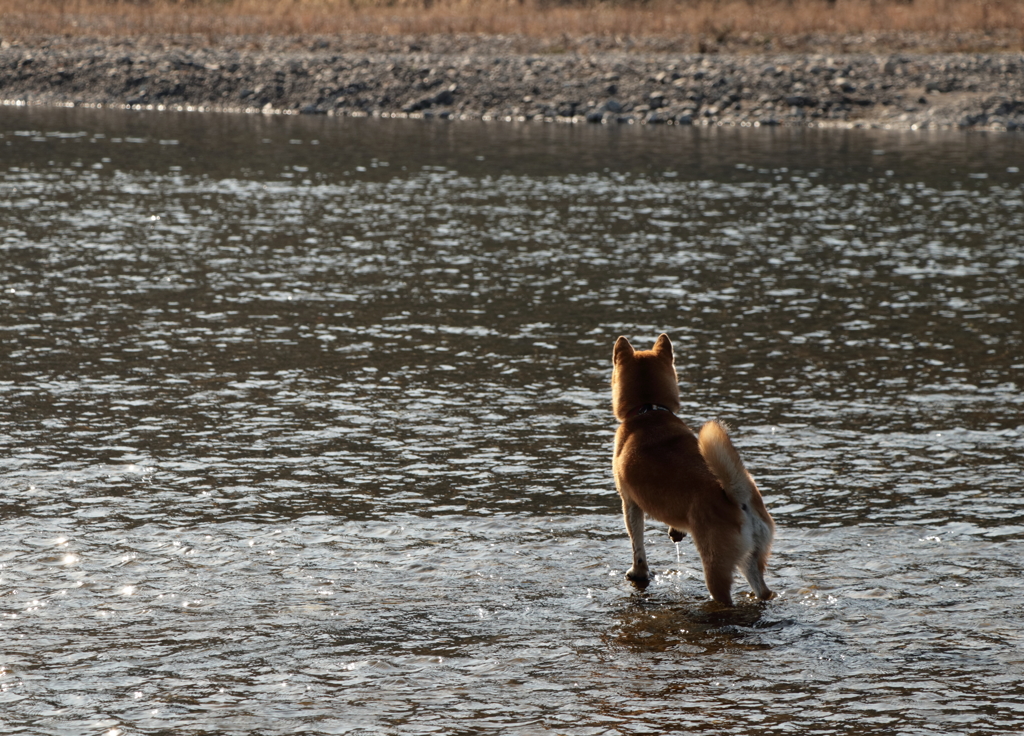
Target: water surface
[[305, 426]]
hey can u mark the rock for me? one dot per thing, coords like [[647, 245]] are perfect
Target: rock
[[940, 85], [445, 96], [508, 78], [566, 109]]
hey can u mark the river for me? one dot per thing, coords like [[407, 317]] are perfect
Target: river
[[305, 425]]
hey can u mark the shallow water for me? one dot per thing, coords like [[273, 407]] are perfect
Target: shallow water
[[305, 426]]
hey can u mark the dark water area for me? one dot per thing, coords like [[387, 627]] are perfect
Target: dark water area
[[305, 425]]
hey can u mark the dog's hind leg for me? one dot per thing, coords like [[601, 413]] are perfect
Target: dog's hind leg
[[634, 518], [718, 576], [751, 569], [719, 561], [758, 535]]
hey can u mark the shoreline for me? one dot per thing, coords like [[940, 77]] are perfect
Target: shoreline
[[504, 78]]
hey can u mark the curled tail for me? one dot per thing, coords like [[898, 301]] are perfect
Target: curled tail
[[725, 463]]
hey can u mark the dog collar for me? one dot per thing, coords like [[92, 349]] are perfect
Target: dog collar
[[644, 408]]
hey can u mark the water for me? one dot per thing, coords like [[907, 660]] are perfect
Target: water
[[305, 426]]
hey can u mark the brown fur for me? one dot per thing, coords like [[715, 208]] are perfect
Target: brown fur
[[694, 484]]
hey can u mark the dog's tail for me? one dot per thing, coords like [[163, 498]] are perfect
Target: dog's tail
[[757, 527], [725, 463]]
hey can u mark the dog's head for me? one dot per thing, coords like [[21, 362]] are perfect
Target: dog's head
[[643, 377]]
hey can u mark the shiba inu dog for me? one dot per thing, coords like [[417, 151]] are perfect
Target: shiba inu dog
[[695, 483]]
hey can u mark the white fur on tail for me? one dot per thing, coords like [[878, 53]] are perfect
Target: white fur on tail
[[724, 461]]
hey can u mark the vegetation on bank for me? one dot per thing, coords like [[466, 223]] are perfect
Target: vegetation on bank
[[703, 24]]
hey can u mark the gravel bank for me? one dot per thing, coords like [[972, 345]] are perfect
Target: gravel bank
[[504, 79]]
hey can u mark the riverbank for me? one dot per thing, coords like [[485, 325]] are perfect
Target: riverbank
[[518, 79]]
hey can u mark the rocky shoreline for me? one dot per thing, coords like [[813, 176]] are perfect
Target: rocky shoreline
[[497, 78]]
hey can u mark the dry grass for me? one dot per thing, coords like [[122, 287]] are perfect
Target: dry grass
[[745, 22]]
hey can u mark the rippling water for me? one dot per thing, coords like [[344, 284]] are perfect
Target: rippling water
[[305, 426]]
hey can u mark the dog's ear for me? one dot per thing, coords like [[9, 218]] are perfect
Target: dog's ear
[[663, 347], [621, 351]]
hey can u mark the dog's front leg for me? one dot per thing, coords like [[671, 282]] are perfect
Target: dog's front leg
[[634, 518]]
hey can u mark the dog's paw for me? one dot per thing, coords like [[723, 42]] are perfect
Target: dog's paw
[[640, 576], [675, 535]]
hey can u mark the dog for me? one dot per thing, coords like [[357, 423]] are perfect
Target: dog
[[695, 483]]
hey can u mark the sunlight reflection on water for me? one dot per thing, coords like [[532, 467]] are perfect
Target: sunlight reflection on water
[[294, 440]]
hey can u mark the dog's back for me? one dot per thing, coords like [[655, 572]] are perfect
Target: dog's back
[[659, 465]]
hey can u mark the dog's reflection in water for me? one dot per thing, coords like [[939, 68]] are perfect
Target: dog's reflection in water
[[649, 623]]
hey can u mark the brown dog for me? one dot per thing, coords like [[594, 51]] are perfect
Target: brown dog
[[695, 484]]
